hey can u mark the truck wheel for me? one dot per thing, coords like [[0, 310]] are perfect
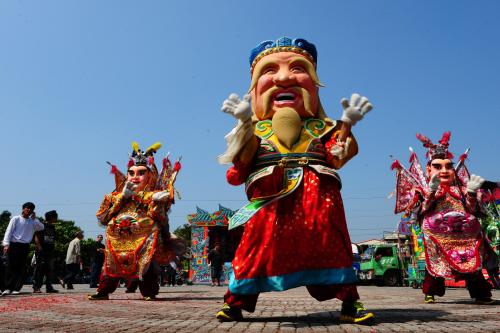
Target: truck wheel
[[391, 278]]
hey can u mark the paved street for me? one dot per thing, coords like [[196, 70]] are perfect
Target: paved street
[[192, 309]]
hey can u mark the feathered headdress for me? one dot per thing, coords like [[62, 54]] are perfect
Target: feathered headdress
[[144, 158], [439, 150], [161, 181], [411, 181]]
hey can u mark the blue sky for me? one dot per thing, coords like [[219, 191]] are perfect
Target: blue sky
[[80, 80]]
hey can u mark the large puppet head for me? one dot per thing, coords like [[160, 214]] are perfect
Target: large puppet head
[[284, 78], [142, 171], [141, 167], [439, 159]]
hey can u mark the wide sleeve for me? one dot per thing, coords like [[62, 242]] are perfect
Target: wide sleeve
[[351, 144], [238, 173], [110, 206], [472, 203]]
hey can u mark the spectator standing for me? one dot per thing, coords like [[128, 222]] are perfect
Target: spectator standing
[[492, 268], [44, 254], [216, 261], [97, 262], [171, 273], [2, 270], [73, 261], [16, 243]]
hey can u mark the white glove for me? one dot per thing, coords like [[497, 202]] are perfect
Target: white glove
[[160, 196], [240, 109], [128, 190], [355, 109], [474, 183], [243, 132], [434, 183]]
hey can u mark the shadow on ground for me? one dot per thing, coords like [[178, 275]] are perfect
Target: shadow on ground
[[466, 302], [170, 299], [333, 318]]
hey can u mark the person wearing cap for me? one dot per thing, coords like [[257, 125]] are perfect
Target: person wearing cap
[[16, 242], [286, 150], [44, 254]]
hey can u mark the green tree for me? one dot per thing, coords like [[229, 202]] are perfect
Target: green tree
[[65, 233], [184, 232], [4, 221]]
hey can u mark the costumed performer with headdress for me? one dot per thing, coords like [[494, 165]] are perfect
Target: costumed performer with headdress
[[445, 201], [491, 228], [135, 216], [286, 151]]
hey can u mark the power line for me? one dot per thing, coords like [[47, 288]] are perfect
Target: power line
[[377, 228], [95, 203]]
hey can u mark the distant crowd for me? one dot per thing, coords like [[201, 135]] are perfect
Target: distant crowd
[[26, 228]]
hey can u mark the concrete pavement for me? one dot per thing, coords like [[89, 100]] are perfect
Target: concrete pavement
[[192, 309]]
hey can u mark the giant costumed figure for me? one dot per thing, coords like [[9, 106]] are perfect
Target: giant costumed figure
[[286, 151], [135, 216], [445, 201]]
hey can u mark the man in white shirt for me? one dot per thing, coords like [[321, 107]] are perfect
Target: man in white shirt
[[73, 261], [16, 243]]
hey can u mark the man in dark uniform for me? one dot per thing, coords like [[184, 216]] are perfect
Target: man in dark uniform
[[44, 254], [216, 260], [97, 262]]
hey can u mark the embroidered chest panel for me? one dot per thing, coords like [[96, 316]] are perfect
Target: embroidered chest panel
[[308, 145]]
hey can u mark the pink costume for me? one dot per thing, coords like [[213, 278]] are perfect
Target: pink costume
[[453, 239]]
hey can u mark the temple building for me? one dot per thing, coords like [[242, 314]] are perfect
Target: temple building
[[207, 231]]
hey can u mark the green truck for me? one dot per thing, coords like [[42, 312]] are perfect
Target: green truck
[[381, 264]]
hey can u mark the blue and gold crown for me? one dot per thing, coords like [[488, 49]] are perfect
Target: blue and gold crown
[[283, 44]]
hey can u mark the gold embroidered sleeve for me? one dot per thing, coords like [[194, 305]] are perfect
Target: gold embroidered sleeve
[[158, 213], [110, 206]]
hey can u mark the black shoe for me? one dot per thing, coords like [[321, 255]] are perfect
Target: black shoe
[[52, 291], [485, 301], [69, 287], [93, 286], [98, 297], [355, 313], [228, 313]]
